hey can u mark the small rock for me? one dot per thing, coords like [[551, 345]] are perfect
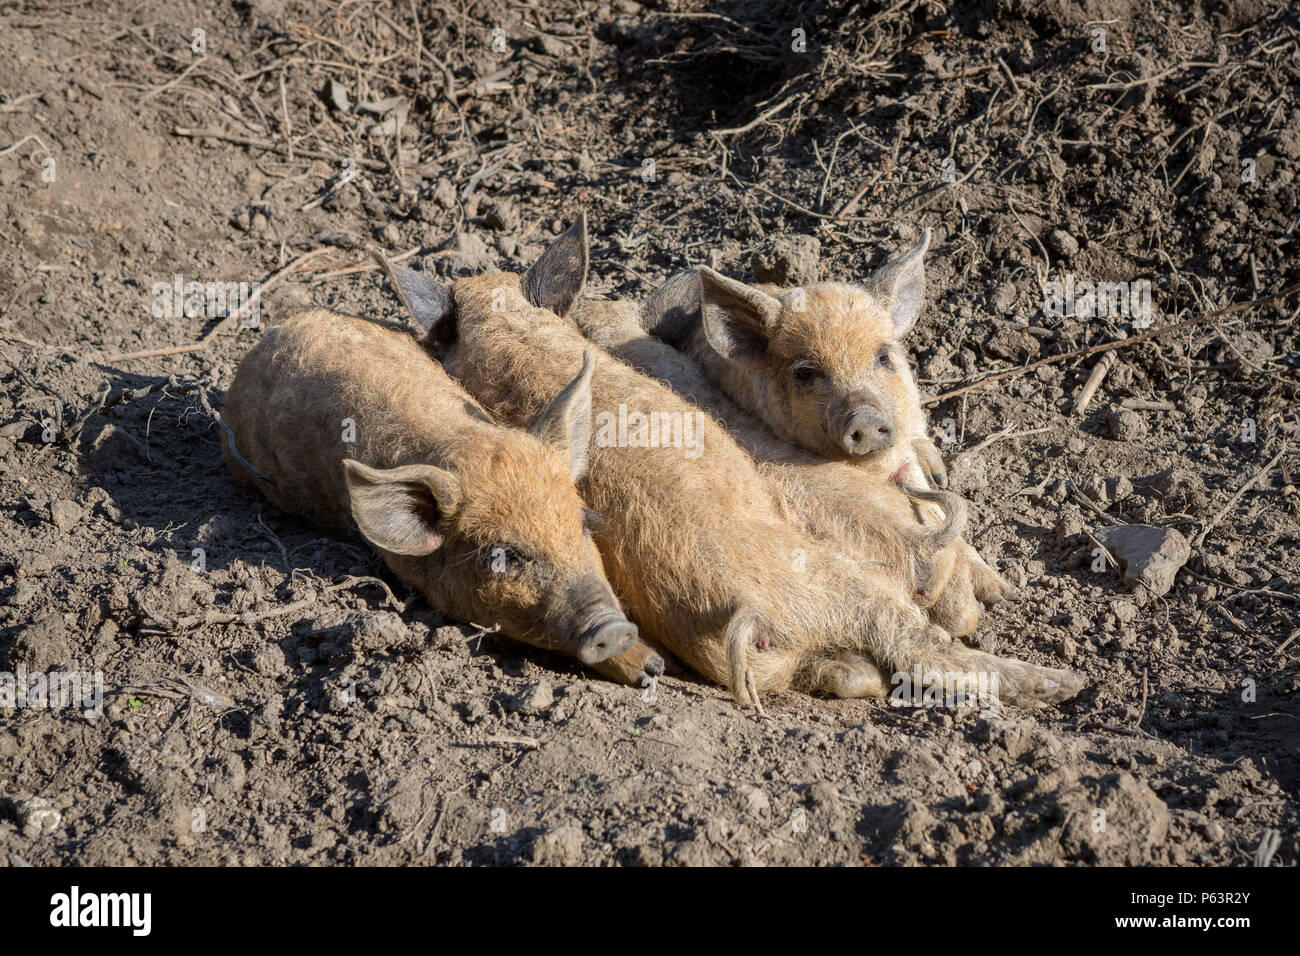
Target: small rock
[[561, 846], [444, 193], [1150, 556], [109, 510], [1094, 486], [548, 45], [503, 217], [788, 260], [269, 716], [532, 700], [338, 96], [38, 817], [268, 660], [1249, 348], [344, 199], [693, 852], [754, 799], [1006, 298], [968, 473], [1125, 611], [1012, 343], [378, 632], [466, 254], [1179, 488], [65, 514], [1068, 524], [1126, 425], [43, 644], [1062, 245]]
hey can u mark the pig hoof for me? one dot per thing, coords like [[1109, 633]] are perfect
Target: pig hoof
[[1040, 689], [654, 665], [930, 461], [989, 587], [752, 690]]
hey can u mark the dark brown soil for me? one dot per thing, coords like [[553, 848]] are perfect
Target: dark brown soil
[[258, 712]]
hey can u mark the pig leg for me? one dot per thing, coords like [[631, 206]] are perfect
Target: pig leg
[[955, 608], [636, 666], [1027, 685], [929, 459], [945, 588], [972, 582], [1011, 681], [988, 587], [847, 675], [935, 573], [900, 641]]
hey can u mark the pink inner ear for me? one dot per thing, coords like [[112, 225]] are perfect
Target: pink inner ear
[[432, 542]]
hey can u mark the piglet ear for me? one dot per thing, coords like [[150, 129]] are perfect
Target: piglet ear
[[900, 283], [402, 510], [429, 302], [566, 423], [556, 279], [737, 318], [671, 313]]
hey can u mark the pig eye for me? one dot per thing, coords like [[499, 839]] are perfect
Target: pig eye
[[883, 359], [502, 558], [803, 375]]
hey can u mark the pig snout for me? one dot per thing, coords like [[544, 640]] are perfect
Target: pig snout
[[605, 640], [867, 430], [597, 621]]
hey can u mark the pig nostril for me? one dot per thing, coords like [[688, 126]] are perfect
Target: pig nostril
[[610, 635], [855, 437]]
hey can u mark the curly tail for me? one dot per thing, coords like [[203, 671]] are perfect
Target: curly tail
[[954, 511], [744, 631]]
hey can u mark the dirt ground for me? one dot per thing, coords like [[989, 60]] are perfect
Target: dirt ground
[[274, 696]]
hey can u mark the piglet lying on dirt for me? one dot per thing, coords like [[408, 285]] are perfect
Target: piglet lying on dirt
[[836, 500], [351, 425], [701, 546], [824, 367]]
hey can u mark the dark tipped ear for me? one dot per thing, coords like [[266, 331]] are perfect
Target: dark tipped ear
[[566, 423], [556, 279], [429, 302], [737, 318], [402, 509], [671, 313], [900, 282]]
